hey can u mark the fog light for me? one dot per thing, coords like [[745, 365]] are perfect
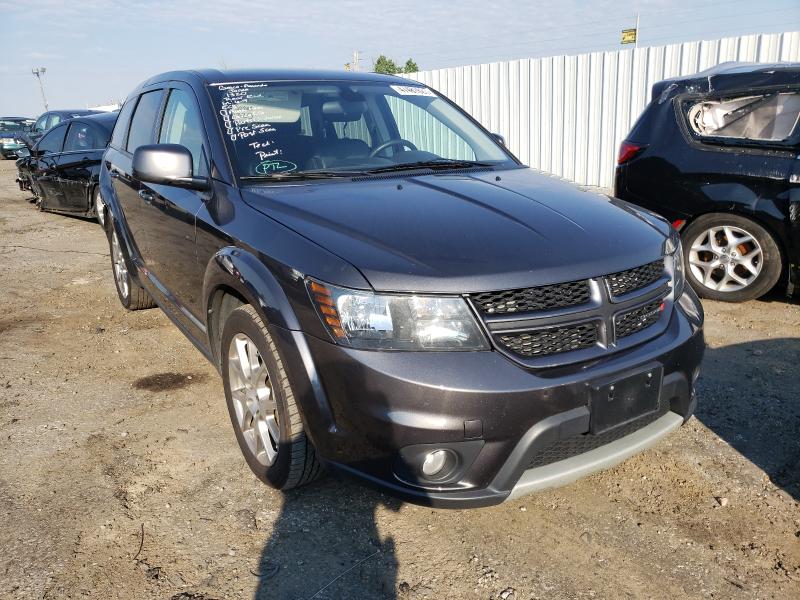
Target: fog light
[[434, 462]]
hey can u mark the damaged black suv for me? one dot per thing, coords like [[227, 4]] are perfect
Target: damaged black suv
[[387, 291], [717, 153]]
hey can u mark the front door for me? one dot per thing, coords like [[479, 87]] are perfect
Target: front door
[[169, 215]]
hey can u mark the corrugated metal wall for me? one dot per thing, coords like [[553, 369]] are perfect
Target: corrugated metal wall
[[568, 114]]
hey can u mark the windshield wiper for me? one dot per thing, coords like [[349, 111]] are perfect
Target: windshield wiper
[[301, 175], [439, 163]]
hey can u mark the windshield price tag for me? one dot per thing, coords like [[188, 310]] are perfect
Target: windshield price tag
[[413, 90]]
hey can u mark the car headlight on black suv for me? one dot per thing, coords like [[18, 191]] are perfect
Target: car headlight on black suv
[[673, 251], [363, 319]]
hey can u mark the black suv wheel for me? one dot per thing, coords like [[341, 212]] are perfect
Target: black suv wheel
[[730, 258], [131, 295], [261, 404]]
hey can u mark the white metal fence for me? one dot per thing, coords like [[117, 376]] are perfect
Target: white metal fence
[[568, 114]]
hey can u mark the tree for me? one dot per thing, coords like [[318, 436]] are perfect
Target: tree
[[384, 64], [411, 66]]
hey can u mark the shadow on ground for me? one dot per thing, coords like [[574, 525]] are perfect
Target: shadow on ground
[[750, 397], [325, 544]]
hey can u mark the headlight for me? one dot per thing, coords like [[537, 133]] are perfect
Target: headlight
[[362, 319], [673, 249]]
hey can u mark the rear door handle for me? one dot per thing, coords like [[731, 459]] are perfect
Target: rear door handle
[[146, 196]]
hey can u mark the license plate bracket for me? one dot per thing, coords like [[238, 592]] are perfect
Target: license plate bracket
[[622, 399]]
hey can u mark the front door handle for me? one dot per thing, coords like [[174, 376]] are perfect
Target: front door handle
[[147, 196]]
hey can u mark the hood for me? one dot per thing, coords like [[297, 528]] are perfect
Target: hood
[[457, 233]]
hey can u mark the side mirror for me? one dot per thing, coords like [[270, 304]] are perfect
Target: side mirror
[[22, 152], [167, 164], [499, 139]]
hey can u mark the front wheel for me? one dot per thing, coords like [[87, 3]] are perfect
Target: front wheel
[[261, 404], [730, 258]]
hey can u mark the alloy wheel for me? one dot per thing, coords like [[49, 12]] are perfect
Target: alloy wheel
[[98, 209], [120, 268], [253, 399], [725, 258]]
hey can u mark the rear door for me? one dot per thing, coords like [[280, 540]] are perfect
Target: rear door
[[127, 190], [45, 168], [169, 214], [83, 149]]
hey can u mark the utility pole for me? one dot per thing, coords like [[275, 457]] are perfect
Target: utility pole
[[636, 43], [38, 72], [355, 65]]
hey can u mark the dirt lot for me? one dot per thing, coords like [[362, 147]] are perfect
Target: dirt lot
[[120, 476]]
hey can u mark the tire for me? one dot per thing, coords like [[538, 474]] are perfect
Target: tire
[[98, 207], [289, 461], [131, 295], [730, 258]]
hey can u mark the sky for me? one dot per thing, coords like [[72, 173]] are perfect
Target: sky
[[97, 51]]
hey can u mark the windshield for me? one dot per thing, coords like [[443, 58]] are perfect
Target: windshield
[[337, 128]]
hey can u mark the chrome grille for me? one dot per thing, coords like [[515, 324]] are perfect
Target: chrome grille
[[554, 340], [637, 319], [631, 280], [546, 297]]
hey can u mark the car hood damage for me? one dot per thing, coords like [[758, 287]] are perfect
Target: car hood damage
[[456, 233]]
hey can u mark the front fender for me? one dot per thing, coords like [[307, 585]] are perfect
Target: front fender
[[236, 269]]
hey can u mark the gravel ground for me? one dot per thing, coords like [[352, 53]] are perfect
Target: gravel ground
[[120, 476]]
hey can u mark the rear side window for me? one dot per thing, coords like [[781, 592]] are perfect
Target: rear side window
[[52, 141], [82, 136], [769, 117], [143, 121], [121, 126]]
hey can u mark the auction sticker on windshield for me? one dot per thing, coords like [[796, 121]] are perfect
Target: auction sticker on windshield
[[413, 90]]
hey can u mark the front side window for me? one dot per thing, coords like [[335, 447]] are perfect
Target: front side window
[[143, 121], [182, 125], [764, 117], [53, 121], [52, 141], [275, 127], [81, 136]]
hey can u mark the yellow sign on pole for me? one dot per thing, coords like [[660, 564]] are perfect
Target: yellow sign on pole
[[629, 36]]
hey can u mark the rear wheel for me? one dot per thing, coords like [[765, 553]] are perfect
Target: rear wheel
[[261, 404], [99, 207], [730, 258], [131, 295]]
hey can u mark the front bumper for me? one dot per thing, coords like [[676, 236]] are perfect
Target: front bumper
[[375, 414]]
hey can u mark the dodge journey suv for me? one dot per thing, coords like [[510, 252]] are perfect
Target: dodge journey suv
[[388, 292]]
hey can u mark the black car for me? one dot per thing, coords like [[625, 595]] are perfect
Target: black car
[[63, 166], [386, 290], [717, 154], [12, 135], [51, 118]]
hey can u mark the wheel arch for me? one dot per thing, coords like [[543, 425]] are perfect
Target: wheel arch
[[234, 276]]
